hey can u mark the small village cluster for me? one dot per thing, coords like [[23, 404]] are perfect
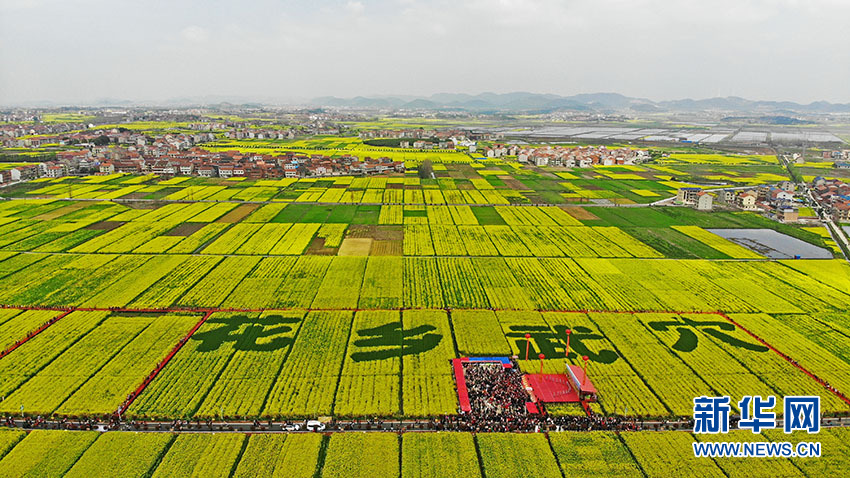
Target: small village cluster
[[200, 162], [573, 157], [835, 195], [783, 201], [94, 138]]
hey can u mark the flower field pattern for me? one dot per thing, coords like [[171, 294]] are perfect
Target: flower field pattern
[[348, 298], [297, 364]]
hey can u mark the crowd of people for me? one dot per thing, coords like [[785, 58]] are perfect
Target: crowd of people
[[498, 401], [495, 392]]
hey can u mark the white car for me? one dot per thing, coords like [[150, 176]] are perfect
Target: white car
[[315, 426], [292, 427]]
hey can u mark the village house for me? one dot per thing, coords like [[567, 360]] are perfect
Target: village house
[[747, 200], [788, 214], [704, 201]]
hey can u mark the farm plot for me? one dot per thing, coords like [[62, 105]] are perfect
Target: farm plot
[[621, 390], [218, 283], [16, 324], [427, 382], [460, 285], [49, 387], [478, 333], [301, 283], [205, 455], [422, 286], [133, 283], [800, 347], [375, 454], [226, 368], [280, 456], [439, 455], [371, 372], [325, 282], [652, 451], [673, 381], [708, 360], [516, 455], [261, 347], [232, 239], [716, 242], [47, 453], [67, 280], [593, 455], [772, 369], [382, 283], [30, 358], [165, 291], [646, 453], [308, 380], [123, 454], [263, 286], [340, 287], [107, 388], [198, 239]]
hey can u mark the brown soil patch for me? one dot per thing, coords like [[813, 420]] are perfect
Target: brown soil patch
[[389, 233], [579, 213], [535, 198], [513, 183], [135, 195], [145, 204], [545, 173], [379, 233], [317, 248], [238, 214], [105, 225], [395, 186], [185, 229], [387, 248], [62, 211], [355, 247], [360, 231]]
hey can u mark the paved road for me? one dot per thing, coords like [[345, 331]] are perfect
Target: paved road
[[334, 427]]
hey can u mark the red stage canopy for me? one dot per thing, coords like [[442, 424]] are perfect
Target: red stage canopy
[[462, 392], [552, 388], [586, 385]]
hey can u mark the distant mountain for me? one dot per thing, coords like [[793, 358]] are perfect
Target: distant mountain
[[598, 102]]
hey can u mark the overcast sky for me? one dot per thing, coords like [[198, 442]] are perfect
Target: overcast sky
[[83, 50]]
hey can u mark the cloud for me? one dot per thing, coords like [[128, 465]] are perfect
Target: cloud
[[195, 34], [659, 49], [356, 8]]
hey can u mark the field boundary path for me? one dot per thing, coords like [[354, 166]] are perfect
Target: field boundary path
[[790, 360], [161, 365], [35, 332], [337, 426]]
